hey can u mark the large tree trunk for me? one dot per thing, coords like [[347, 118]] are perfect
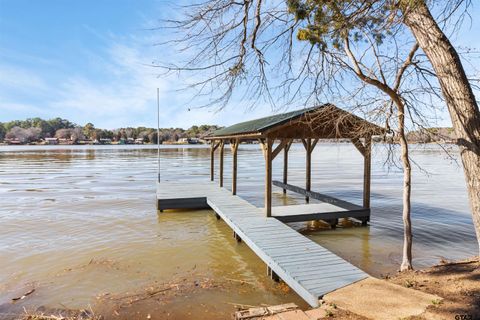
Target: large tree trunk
[[458, 95]]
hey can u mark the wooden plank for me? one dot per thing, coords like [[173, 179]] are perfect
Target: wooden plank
[[310, 212], [318, 196], [305, 208], [185, 203], [325, 260]]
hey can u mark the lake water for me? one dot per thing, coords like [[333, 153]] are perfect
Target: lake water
[[79, 222]]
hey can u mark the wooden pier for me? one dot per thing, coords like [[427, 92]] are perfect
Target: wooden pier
[[308, 268]]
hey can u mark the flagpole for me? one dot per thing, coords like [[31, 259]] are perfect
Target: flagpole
[[158, 133]]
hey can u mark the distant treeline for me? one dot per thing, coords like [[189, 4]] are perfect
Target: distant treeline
[[427, 135], [35, 129]]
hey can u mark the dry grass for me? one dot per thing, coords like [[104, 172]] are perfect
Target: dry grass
[[60, 314]]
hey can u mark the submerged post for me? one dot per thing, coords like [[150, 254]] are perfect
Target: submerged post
[[367, 162], [222, 145]]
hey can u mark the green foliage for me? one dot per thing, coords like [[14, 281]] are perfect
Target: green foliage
[[327, 23], [89, 130], [3, 131], [62, 128]]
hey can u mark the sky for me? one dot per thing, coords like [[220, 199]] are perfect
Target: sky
[[87, 61]]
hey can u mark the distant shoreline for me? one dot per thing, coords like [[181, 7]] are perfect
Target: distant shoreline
[[2, 144]]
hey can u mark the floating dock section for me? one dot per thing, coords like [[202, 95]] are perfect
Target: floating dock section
[[305, 266]]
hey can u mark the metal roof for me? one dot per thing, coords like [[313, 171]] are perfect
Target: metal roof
[[262, 124]]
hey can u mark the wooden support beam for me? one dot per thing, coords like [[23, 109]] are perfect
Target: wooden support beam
[[285, 162], [262, 146], [366, 151], [268, 176], [359, 145], [367, 164], [234, 147], [212, 160], [279, 148], [304, 142], [222, 145], [307, 143]]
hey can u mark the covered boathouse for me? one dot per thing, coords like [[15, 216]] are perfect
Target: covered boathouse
[[308, 126], [305, 266]]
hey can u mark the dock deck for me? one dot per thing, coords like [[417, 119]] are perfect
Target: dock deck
[[308, 268]]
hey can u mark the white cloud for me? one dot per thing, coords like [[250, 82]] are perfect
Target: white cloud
[[20, 79], [117, 90]]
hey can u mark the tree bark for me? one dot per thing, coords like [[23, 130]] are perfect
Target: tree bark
[[458, 95], [407, 187]]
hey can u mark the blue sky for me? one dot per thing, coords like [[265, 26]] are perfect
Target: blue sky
[[85, 61]]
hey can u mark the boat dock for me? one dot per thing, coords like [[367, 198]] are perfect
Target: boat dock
[[305, 266]]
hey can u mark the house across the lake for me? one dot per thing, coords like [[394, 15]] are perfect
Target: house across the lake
[[189, 140], [13, 141], [51, 141], [105, 141]]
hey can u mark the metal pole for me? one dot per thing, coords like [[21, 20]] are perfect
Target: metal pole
[[158, 132]]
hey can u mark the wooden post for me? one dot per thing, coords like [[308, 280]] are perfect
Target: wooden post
[[267, 147], [213, 147], [367, 162], [212, 159], [285, 163], [222, 145], [309, 146], [234, 146], [272, 274], [308, 166], [366, 151]]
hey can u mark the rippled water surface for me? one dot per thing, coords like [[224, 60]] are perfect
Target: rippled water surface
[[77, 222]]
